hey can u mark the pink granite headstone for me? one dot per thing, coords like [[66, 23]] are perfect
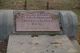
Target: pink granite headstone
[[36, 21]]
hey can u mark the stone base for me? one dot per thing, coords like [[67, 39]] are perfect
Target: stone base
[[40, 44]]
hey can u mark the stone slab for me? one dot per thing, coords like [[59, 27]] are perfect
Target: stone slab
[[6, 23], [40, 44], [36, 21]]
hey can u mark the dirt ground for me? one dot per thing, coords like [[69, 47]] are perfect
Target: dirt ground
[[3, 46]]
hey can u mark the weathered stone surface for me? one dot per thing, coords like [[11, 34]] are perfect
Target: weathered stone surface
[[36, 21], [6, 23], [40, 44]]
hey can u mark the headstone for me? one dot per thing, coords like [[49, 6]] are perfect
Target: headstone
[[36, 21]]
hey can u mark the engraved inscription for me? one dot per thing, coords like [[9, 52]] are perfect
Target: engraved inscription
[[36, 21]]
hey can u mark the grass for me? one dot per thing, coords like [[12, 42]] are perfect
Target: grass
[[11, 4]]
